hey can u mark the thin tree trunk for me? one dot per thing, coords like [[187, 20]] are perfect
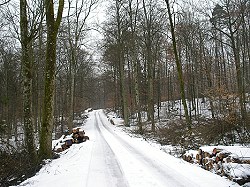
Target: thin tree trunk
[[27, 82], [123, 88], [120, 49], [238, 74], [135, 63], [150, 69], [179, 68]]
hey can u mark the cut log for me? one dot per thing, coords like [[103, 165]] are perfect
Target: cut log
[[206, 154], [77, 136]]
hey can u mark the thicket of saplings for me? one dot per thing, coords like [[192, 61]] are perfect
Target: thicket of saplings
[[204, 131]]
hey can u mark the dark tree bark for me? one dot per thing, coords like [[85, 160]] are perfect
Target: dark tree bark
[[179, 68], [132, 25], [150, 66], [121, 61], [26, 59], [50, 69]]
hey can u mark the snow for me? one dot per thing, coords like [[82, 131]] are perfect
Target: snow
[[235, 169], [113, 158], [241, 151]]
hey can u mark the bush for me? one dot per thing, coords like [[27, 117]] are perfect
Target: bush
[[15, 168]]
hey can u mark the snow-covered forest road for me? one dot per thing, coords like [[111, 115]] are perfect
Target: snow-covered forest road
[[104, 168], [112, 158], [122, 162]]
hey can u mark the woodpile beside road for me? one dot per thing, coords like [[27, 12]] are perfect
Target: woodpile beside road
[[77, 136], [221, 162]]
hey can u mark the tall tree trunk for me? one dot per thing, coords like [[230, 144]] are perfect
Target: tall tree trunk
[[150, 68], [179, 68], [71, 97], [240, 85], [26, 60], [72, 71], [123, 90], [49, 92], [239, 80], [133, 22]]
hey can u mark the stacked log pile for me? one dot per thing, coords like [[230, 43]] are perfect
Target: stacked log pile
[[212, 160], [77, 136], [218, 161]]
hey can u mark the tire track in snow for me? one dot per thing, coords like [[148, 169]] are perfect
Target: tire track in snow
[[159, 169], [104, 169]]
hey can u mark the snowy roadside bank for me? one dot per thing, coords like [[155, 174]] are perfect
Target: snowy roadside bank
[[87, 163]]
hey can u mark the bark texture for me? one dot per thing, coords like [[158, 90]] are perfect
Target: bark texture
[[50, 69], [26, 60]]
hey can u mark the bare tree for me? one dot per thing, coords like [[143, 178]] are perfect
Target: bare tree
[[50, 69], [5, 2], [230, 17], [28, 33], [76, 24], [133, 19], [179, 67]]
